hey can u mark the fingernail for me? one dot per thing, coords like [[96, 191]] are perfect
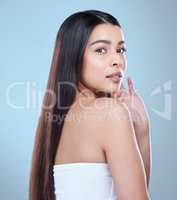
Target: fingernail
[[129, 80]]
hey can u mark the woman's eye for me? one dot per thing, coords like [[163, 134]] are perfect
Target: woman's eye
[[121, 50], [101, 50]]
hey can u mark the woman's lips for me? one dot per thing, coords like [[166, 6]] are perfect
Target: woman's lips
[[115, 78]]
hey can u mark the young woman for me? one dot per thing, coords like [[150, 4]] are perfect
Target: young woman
[[92, 140]]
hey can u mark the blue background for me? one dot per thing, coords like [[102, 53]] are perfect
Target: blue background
[[27, 35]]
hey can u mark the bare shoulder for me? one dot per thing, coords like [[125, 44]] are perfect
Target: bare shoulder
[[104, 112], [100, 113], [106, 105], [119, 143], [113, 118]]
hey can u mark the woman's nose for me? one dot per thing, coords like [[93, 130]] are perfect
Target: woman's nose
[[117, 61]]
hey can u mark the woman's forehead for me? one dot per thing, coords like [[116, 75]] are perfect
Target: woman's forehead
[[107, 32]]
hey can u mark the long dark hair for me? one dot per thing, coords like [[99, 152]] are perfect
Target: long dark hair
[[66, 66]]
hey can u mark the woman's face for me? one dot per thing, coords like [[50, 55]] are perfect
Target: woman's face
[[104, 55]]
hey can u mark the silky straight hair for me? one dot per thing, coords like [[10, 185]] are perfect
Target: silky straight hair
[[66, 67]]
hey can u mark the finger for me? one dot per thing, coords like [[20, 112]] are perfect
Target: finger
[[131, 85]]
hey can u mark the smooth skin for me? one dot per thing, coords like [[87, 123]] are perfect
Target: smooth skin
[[106, 126], [125, 142], [122, 152], [141, 122], [101, 59]]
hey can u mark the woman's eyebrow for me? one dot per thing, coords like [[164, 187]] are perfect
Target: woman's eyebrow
[[106, 42]]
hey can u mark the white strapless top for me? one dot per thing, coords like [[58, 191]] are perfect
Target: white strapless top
[[83, 181]]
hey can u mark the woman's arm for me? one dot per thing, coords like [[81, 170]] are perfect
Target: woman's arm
[[144, 144], [122, 153], [141, 123]]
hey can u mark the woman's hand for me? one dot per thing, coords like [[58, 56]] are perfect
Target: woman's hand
[[135, 105]]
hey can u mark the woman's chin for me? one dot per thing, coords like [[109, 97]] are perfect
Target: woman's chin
[[113, 88], [108, 90]]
